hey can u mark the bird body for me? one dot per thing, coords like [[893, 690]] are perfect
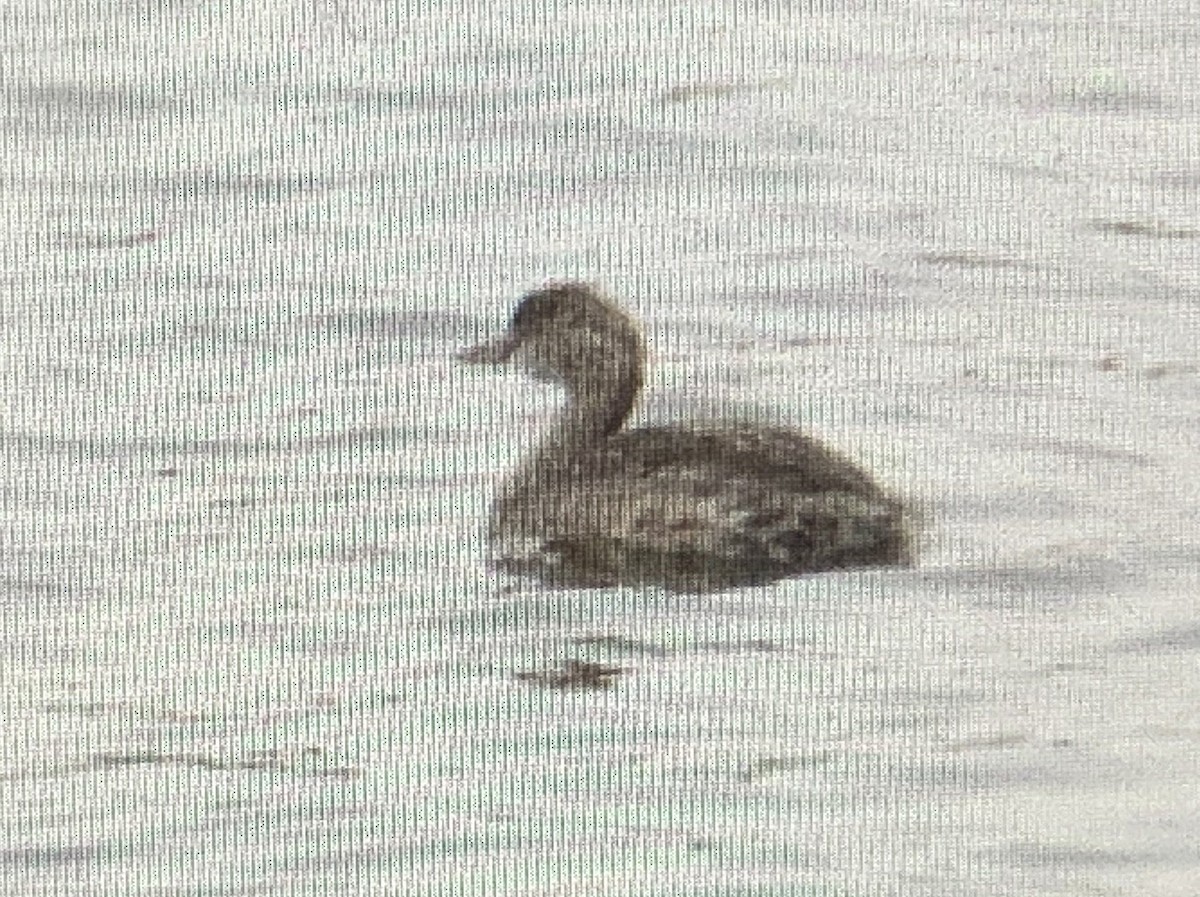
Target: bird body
[[691, 508]]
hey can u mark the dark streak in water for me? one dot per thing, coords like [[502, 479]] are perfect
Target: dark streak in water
[[1182, 638], [268, 761], [618, 644], [235, 331], [573, 674], [1066, 856], [995, 742], [767, 767], [1033, 588], [30, 858], [96, 448], [714, 90], [64, 106], [969, 260], [263, 187], [390, 324], [109, 241], [34, 588], [1086, 452], [1156, 230]]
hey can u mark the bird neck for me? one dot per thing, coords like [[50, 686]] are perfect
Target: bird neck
[[596, 409]]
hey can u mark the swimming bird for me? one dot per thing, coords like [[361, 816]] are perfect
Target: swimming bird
[[690, 508]]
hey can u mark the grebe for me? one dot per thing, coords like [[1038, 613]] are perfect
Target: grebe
[[688, 508]]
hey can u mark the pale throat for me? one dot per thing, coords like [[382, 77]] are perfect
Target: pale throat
[[596, 407]]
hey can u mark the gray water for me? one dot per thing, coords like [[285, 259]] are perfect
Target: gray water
[[249, 642]]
